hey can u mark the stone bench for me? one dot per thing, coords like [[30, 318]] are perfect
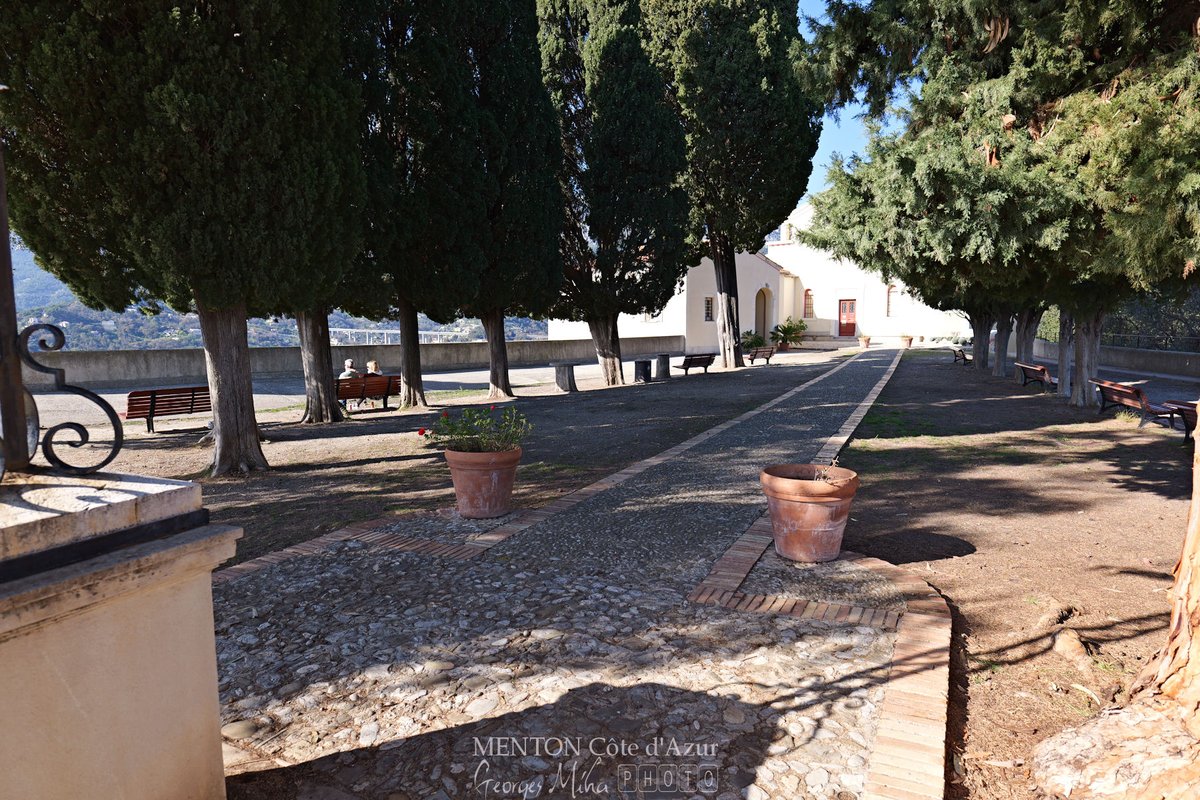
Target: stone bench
[[662, 367], [564, 375]]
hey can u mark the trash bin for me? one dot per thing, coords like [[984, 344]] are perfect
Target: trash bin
[[641, 370]]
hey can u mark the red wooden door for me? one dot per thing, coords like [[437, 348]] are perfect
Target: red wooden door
[[847, 323]]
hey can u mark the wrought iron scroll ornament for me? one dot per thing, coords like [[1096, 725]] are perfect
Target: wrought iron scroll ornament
[[55, 341]]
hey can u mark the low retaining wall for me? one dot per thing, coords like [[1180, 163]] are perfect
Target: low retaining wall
[[118, 368], [1167, 362]]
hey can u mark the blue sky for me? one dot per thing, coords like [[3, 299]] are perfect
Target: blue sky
[[845, 136]]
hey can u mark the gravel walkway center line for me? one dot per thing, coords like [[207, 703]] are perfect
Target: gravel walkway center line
[[564, 662]]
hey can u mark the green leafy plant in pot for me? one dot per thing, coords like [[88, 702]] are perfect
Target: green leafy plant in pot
[[482, 449], [788, 333]]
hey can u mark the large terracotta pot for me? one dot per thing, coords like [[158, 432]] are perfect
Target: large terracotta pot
[[808, 516], [864, 341], [906, 342], [483, 482]]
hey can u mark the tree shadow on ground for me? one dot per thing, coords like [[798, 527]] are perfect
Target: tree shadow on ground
[[582, 745], [594, 741]]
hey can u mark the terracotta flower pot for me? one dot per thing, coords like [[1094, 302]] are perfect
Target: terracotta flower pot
[[906, 342], [483, 482], [808, 516], [864, 341]]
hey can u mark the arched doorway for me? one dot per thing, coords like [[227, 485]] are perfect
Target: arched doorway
[[762, 312]]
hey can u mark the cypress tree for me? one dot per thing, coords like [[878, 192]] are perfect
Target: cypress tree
[[624, 246], [1105, 94], [751, 128], [420, 148], [192, 154], [521, 158]]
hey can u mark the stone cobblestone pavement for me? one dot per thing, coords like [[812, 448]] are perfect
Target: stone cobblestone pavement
[[567, 659]]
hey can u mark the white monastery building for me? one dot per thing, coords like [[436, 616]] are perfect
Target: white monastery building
[[835, 298]]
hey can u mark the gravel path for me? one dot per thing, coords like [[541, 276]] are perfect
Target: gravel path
[[565, 662], [671, 522]]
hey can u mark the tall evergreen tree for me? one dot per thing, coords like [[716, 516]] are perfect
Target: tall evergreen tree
[[624, 247], [1103, 92], [751, 128], [192, 153], [522, 155], [421, 151]]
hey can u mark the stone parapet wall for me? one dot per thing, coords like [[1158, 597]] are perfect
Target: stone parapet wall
[[1166, 362], [112, 368]]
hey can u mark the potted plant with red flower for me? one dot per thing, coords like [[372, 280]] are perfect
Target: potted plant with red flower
[[483, 449]]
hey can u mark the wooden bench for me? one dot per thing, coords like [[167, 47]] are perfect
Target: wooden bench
[[177, 401], [1186, 411], [1035, 373], [764, 353], [1119, 394], [368, 387], [963, 356], [696, 361]]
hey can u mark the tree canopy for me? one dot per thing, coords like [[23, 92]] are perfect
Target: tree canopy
[[174, 154], [420, 147], [750, 126], [522, 154], [199, 154], [624, 247]]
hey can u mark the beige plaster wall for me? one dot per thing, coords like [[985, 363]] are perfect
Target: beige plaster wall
[[108, 681]]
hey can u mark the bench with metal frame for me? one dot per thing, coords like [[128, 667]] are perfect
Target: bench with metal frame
[[764, 353], [1036, 373], [696, 361], [1113, 394], [169, 402]]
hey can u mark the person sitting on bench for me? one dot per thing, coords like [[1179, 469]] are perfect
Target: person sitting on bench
[[348, 370]]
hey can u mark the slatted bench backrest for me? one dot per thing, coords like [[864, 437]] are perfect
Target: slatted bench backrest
[[145, 403]]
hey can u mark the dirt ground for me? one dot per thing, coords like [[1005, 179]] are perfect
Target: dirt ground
[[1021, 511], [325, 477]]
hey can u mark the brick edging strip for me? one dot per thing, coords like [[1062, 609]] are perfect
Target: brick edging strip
[[908, 756], [370, 532]]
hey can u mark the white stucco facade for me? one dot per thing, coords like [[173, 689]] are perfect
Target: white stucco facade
[[787, 279]]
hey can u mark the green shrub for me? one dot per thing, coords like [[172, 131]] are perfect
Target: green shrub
[[750, 340], [788, 333], [476, 430]]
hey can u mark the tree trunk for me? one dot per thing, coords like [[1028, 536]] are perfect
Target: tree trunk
[[412, 388], [981, 330], [608, 348], [316, 356], [729, 332], [493, 328], [1178, 668], [1066, 346], [234, 435], [1028, 320], [1087, 359], [1004, 326]]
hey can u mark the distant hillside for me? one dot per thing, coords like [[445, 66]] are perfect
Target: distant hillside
[[43, 298], [88, 329], [34, 286]]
